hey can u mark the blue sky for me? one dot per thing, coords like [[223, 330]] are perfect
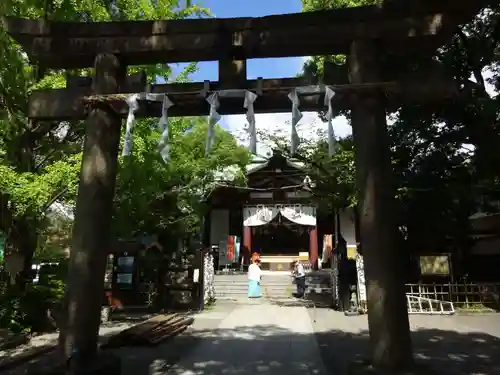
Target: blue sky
[[266, 68]]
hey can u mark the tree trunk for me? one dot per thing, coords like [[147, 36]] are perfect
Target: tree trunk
[[91, 230], [387, 310]]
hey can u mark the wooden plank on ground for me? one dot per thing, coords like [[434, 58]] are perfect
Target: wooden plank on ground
[[136, 334]]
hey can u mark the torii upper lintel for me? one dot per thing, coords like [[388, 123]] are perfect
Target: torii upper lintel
[[413, 23]]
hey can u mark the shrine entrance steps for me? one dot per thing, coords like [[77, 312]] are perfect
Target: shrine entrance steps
[[234, 287]]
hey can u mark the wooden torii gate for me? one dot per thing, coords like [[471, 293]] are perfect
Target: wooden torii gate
[[401, 27]]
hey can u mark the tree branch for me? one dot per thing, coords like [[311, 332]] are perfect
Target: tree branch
[[55, 198]]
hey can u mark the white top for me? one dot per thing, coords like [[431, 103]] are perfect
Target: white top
[[254, 272], [299, 270]]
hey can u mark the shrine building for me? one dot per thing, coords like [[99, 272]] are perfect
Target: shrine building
[[275, 215]]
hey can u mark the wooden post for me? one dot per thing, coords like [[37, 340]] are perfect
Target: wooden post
[[206, 224], [387, 311], [247, 243], [91, 230], [232, 73]]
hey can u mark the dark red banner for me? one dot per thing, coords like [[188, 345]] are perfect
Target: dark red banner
[[230, 248]]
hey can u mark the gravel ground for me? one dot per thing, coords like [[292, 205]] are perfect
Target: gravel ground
[[452, 345]]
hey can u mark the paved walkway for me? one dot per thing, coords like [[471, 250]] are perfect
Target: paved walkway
[[251, 339], [263, 338]]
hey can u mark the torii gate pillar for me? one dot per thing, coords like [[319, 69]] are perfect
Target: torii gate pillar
[[94, 205], [387, 311]]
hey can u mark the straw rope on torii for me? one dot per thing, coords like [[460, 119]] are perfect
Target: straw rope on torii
[[214, 117], [326, 93], [248, 98], [71, 103], [385, 87]]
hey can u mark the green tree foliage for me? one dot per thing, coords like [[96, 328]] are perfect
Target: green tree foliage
[[315, 64], [154, 196], [40, 161], [334, 177]]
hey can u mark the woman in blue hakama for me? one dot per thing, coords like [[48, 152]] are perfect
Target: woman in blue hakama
[[254, 277]]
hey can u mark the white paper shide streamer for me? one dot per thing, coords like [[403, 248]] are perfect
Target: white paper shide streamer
[[133, 106], [163, 146], [329, 95], [250, 98], [213, 118], [296, 117]]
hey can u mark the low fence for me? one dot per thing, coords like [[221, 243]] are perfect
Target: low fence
[[462, 295]]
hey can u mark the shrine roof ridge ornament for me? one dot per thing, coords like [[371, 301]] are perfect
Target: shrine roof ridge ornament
[[397, 22]]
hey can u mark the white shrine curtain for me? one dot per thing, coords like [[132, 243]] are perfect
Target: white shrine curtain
[[260, 215], [303, 215]]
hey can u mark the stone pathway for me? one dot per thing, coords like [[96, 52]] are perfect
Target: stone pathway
[[252, 339], [262, 337]]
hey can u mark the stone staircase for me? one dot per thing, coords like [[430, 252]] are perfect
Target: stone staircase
[[230, 286], [235, 286], [276, 287]]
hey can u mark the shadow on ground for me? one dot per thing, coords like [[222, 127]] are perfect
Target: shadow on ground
[[22, 360], [454, 345], [446, 352], [273, 350]]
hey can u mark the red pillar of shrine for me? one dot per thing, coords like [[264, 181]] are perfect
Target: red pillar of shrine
[[247, 244], [313, 246]]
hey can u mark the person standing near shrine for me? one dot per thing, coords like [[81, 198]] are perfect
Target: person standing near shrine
[[300, 278], [254, 278]]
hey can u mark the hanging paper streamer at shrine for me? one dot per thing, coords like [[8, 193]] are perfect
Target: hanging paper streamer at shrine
[[213, 118], [133, 106], [296, 117], [163, 122], [163, 146], [329, 94], [250, 98], [237, 247]]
